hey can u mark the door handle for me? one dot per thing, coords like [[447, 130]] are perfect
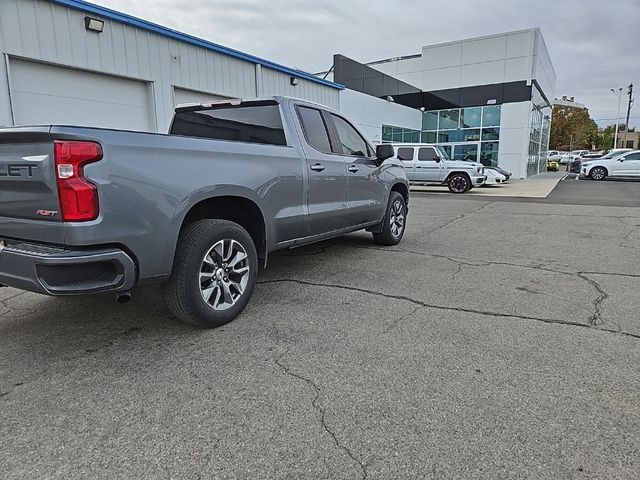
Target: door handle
[[418, 166], [317, 167], [353, 169]]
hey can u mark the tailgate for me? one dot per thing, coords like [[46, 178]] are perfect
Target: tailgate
[[29, 205]]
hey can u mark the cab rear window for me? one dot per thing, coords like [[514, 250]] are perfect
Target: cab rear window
[[246, 122]]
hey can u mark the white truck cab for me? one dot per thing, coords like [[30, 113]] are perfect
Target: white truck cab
[[429, 164]]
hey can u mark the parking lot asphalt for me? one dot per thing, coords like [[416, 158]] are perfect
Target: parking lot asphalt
[[499, 340]]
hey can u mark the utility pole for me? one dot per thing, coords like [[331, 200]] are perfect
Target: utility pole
[[615, 137], [626, 125]]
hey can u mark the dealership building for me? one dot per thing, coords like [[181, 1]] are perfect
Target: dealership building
[[486, 99], [73, 62]]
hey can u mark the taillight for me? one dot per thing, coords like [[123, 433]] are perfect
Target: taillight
[[78, 197]]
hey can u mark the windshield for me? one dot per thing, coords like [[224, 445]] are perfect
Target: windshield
[[612, 155], [442, 152]]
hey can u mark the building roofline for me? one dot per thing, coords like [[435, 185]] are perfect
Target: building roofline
[[469, 39], [136, 22]]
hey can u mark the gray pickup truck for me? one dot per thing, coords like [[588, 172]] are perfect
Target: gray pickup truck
[[86, 210]]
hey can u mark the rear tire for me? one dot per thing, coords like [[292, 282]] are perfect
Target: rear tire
[[459, 183], [598, 173], [394, 223], [214, 273]]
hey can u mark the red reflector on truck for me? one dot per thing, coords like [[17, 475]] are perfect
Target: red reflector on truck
[[78, 196]]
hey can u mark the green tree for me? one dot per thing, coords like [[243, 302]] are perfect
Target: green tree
[[572, 126]]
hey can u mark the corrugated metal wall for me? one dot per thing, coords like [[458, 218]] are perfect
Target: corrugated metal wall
[[41, 31]]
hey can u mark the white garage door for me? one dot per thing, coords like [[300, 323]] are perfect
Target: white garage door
[[44, 94], [182, 95]]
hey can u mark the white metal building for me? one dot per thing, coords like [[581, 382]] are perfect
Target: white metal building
[[485, 99], [73, 62]]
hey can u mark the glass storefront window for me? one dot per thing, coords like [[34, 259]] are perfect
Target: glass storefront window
[[386, 133], [397, 135], [430, 120], [466, 152], [491, 116], [448, 119], [470, 117], [447, 149], [447, 136], [490, 134], [429, 137], [470, 135], [392, 134], [489, 153]]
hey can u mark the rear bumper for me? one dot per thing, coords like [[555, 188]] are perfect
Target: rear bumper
[[56, 271]]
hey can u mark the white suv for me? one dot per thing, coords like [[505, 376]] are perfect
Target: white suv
[[624, 165]]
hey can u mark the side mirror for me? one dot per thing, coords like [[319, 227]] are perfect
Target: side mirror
[[383, 152], [437, 159]]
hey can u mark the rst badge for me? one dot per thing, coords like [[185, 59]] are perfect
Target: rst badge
[[46, 213]]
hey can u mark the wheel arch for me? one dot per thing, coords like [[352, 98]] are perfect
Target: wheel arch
[[235, 208], [458, 172], [402, 189]]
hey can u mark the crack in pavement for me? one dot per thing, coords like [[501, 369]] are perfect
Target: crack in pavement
[[395, 322], [595, 319], [443, 307], [323, 423], [459, 217], [88, 351]]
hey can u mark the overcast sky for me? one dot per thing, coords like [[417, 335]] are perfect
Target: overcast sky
[[594, 44]]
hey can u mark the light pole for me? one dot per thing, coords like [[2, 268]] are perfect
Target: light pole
[[615, 138]]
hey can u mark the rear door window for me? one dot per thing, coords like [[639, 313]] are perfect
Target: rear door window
[[405, 154], [315, 130]]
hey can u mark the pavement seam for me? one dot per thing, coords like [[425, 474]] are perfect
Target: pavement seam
[[443, 307], [322, 411]]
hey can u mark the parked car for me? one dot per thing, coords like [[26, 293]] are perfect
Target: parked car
[[575, 166], [626, 164], [554, 155], [614, 152], [552, 166], [493, 177], [428, 164], [589, 155], [89, 210], [574, 154], [500, 170]]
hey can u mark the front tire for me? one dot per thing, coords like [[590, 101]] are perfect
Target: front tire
[[598, 173], [394, 222], [459, 183], [214, 273]]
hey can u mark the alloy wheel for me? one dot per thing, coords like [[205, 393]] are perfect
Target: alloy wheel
[[224, 274], [396, 220], [459, 184]]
